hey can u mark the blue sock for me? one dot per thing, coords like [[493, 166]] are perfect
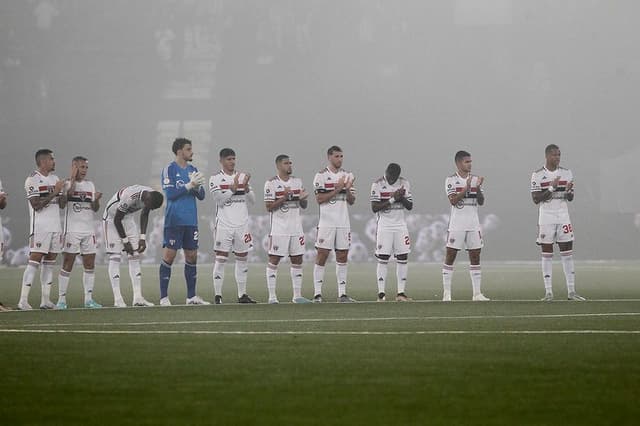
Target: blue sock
[[165, 276], [190, 272]]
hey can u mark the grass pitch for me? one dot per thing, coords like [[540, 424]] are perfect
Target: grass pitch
[[513, 360]]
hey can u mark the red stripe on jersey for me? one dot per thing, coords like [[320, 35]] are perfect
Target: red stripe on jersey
[[43, 188], [329, 185], [386, 194], [225, 186]]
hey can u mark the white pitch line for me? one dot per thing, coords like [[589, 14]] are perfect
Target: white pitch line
[[336, 333], [303, 320]]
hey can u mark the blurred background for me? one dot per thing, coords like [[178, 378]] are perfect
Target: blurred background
[[406, 81]]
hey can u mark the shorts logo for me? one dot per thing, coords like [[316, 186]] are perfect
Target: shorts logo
[[218, 243], [112, 245], [379, 246], [275, 248], [321, 240], [68, 244], [452, 240], [38, 245], [543, 235]]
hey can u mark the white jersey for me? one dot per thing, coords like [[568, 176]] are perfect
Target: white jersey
[[79, 215], [1, 230], [286, 219], [464, 215], [335, 212], [391, 218], [555, 210], [127, 200], [231, 207], [48, 218]]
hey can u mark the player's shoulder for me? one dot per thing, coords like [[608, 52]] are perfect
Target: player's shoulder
[[564, 169], [378, 180], [451, 177], [539, 170], [272, 179]]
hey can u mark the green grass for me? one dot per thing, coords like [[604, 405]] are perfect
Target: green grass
[[510, 361]]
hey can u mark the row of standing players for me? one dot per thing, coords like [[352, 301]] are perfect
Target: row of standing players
[[284, 195]]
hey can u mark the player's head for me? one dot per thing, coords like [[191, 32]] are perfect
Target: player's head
[[392, 173], [183, 149], [228, 160], [284, 165], [335, 156], [552, 155], [82, 165], [463, 161], [45, 160], [152, 199]]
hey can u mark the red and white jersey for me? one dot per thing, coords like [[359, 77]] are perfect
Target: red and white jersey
[[128, 200], [393, 217], [231, 207], [286, 219], [79, 215], [555, 210], [335, 212], [464, 215], [48, 218]]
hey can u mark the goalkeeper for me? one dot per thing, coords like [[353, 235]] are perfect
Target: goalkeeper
[[182, 184]]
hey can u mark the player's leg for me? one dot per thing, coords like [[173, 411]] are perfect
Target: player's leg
[[242, 242], [455, 242], [546, 238], [384, 246], [68, 260], [113, 250], [89, 279], [54, 244], [222, 242], [342, 244], [566, 256], [325, 238], [272, 276], [35, 258], [296, 251], [474, 243], [135, 269], [190, 247], [171, 243], [402, 247]]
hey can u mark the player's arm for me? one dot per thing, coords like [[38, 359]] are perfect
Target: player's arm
[[144, 222], [324, 195], [95, 204], [62, 196], [3, 199], [569, 194], [480, 193], [199, 193], [117, 222]]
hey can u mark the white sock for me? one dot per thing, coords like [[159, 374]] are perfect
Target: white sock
[[46, 280], [402, 268], [447, 275], [475, 272], [63, 284], [135, 273], [381, 273], [114, 276], [27, 280], [341, 275], [318, 279], [241, 275], [88, 279], [296, 280], [218, 274], [569, 272], [272, 276], [547, 271]]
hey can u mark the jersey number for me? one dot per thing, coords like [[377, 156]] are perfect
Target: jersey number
[[301, 239], [247, 238], [567, 228], [195, 235], [407, 241]]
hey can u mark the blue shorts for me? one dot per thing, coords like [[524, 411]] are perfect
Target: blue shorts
[[181, 237]]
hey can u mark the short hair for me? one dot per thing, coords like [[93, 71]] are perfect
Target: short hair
[[334, 148], [281, 158], [394, 169], [41, 153], [156, 199], [179, 143], [460, 155], [550, 148], [79, 158], [227, 152]]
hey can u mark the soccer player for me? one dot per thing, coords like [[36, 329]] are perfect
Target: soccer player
[[284, 196], [44, 193], [465, 195], [231, 193], [551, 189], [121, 234], [334, 193], [390, 197], [83, 201], [3, 204], [181, 219]]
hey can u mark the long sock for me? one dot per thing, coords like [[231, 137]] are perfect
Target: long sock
[[447, 275], [27, 280], [296, 280], [475, 271], [547, 271], [165, 276], [318, 279], [46, 280], [218, 274], [63, 284], [402, 268], [341, 275], [88, 279], [135, 273], [272, 275], [241, 275], [190, 276], [114, 276], [381, 273], [569, 271]]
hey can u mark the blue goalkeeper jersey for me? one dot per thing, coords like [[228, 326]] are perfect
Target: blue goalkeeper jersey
[[180, 209]]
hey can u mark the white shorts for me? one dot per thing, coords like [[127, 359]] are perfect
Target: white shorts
[[46, 242], [333, 238], [112, 239], [238, 240], [392, 242], [285, 245], [77, 242], [470, 240], [556, 233]]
